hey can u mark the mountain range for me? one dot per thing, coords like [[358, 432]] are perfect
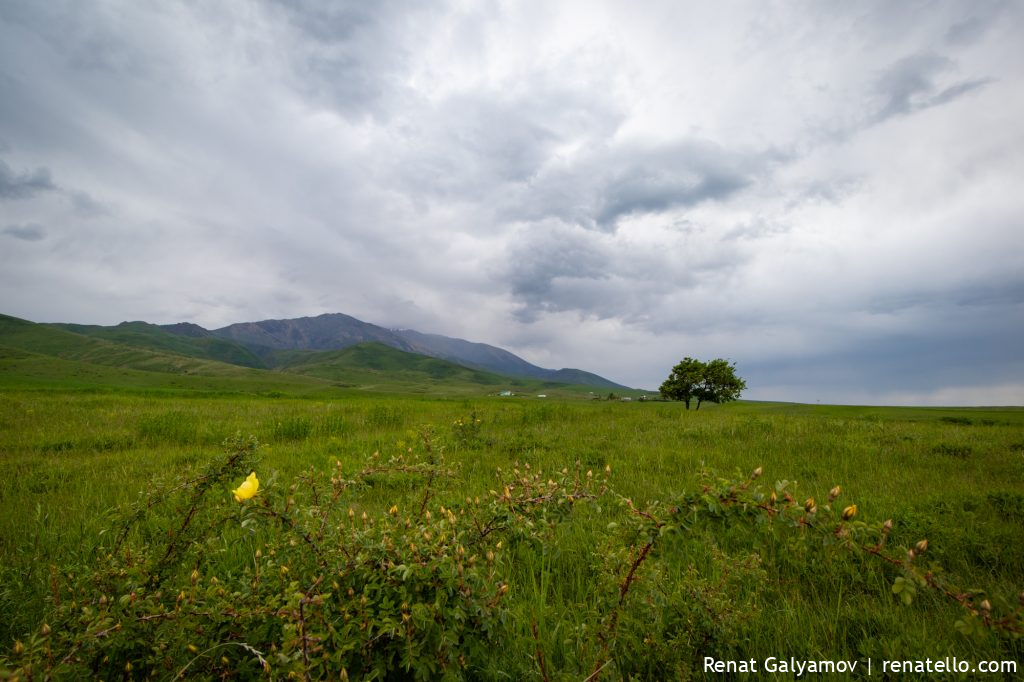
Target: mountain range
[[335, 347], [335, 331]]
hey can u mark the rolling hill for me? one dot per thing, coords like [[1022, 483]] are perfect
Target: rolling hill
[[335, 331], [149, 357], [198, 344]]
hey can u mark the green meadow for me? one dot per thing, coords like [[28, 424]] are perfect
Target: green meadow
[[75, 464], [412, 523]]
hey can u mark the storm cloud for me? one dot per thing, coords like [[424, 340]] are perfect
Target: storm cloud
[[28, 233], [25, 184], [826, 194]]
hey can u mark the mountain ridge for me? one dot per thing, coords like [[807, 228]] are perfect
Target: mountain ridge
[[336, 331], [144, 357]]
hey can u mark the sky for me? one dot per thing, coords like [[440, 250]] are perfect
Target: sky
[[828, 194]]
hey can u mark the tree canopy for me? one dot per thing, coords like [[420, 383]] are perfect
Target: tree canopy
[[713, 382]]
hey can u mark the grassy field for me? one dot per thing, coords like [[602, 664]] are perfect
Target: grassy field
[[725, 588]]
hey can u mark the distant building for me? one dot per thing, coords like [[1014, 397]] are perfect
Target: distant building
[[542, 395], [505, 394]]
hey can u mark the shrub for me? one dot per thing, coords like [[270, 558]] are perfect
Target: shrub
[[312, 580]]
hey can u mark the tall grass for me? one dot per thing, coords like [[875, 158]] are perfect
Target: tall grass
[[956, 477]]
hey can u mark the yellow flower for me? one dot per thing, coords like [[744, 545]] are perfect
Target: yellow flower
[[849, 512], [248, 488]]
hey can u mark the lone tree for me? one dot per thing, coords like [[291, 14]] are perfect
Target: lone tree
[[683, 382], [713, 382]]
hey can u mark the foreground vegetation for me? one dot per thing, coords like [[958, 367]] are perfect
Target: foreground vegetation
[[498, 538]]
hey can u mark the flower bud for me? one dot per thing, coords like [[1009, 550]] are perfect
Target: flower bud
[[986, 605], [921, 546], [45, 630], [849, 512], [887, 526], [910, 555], [128, 667], [756, 473], [809, 505], [19, 648], [834, 493], [393, 510], [195, 576], [772, 499]]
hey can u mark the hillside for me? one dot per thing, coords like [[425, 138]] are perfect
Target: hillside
[[45, 356], [324, 332], [378, 365], [190, 340], [335, 331], [50, 340], [144, 356], [494, 359]]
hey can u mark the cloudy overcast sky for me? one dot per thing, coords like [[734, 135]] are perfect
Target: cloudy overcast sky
[[830, 194]]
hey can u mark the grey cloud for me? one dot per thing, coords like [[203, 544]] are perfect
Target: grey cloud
[[972, 29], [14, 185], [601, 188], [29, 233], [912, 84], [471, 145], [684, 175], [1000, 292], [72, 30], [86, 206], [502, 148], [922, 361], [351, 55], [23, 185], [554, 267], [550, 254]]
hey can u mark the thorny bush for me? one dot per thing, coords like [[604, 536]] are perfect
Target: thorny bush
[[309, 581]]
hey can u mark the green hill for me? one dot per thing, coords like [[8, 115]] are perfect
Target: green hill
[[381, 367], [44, 339], [137, 355], [22, 369], [40, 355], [153, 337]]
